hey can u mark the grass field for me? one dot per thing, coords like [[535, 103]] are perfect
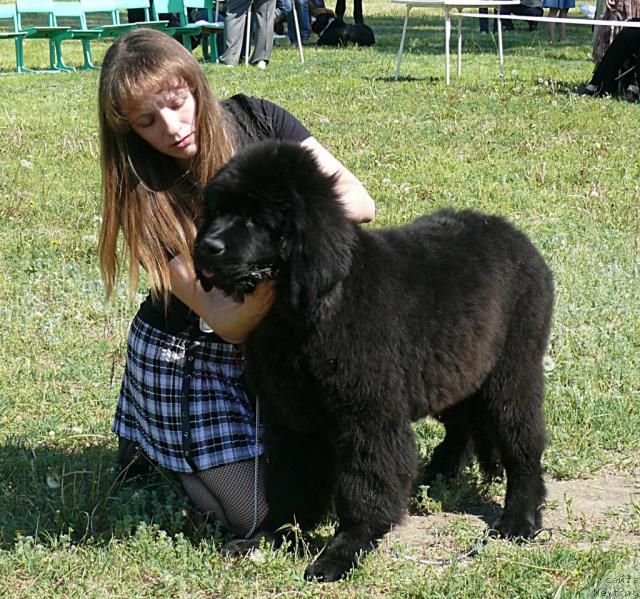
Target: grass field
[[562, 167]]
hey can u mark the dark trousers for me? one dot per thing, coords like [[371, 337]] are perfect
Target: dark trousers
[[523, 11], [484, 23], [341, 7], [625, 46]]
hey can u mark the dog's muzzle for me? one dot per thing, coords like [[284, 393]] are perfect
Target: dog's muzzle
[[239, 284]]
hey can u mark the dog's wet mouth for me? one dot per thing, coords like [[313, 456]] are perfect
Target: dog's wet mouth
[[207, 274], [236, 283]]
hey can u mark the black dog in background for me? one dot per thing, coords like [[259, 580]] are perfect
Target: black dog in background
[[371, 330], [335, 32]]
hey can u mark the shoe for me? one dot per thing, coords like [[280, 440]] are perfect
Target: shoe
[[483, 32], [632, 93], [590, 89], [261, 64]]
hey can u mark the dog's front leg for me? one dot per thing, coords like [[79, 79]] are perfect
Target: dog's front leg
[[300, 477], [376, 467]]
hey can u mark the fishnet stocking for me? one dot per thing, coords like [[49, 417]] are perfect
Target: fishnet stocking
[[227, 492]]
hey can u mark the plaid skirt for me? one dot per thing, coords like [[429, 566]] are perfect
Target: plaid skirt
[[183, 402]]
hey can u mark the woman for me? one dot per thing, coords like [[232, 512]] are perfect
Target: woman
[[162, 137]]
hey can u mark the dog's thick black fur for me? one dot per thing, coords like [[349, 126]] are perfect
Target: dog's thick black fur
[[373, 329], [335, 32]]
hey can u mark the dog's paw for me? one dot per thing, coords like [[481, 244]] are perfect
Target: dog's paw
[[514, 528], [325, 569]]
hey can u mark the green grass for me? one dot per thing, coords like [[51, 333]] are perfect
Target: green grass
[[562, 167]]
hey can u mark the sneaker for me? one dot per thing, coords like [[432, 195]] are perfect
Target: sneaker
[[632, 93], [591, 89], [261, 64]]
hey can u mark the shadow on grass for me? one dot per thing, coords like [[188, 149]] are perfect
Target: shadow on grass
[[462, 495], [46, 492]]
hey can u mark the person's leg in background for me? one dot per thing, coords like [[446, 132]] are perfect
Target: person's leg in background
[[484, 23], [283, 8], [303, 21], [357, 11], [234, 28], [563, 26], [551, 27], [507, 24], [265, 11], [534, 12], [528, 11]]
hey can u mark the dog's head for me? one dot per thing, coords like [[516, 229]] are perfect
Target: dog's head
[[270, 212]]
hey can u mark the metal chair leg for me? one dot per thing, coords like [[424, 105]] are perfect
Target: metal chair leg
[[297, 27], [401, 49]]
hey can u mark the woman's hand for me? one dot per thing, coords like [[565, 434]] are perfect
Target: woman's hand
[[359, 205], [611, 4], [231, 320], [238, 319]]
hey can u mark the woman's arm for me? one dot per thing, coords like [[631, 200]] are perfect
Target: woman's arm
[[359, 204], [229, 319]]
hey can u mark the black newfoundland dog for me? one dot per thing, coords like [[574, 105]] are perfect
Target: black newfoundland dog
[[335, 32], [373, 329]]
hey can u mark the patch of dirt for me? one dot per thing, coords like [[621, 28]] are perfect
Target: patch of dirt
[[576, 509]]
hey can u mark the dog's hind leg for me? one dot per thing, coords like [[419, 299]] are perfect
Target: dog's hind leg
[[515, 398], [485, 445], [376, 468], [454, 453]]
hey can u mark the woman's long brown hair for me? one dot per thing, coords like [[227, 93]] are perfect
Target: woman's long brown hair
[[145, 195]]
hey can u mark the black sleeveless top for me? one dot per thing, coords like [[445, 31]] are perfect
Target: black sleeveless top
[[252, 120]]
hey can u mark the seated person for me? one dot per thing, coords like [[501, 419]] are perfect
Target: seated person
[[619, 68], [527, 8]]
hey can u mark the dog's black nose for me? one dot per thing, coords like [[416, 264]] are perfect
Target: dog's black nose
[[213, 246]]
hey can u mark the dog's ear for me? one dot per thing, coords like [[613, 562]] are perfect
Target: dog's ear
[[317, 249]]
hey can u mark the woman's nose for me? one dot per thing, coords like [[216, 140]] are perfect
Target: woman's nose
[[170, 120]]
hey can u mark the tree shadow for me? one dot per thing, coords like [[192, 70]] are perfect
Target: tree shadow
[[46, 492]]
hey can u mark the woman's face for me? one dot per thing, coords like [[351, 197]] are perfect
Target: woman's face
[[166, 121]]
